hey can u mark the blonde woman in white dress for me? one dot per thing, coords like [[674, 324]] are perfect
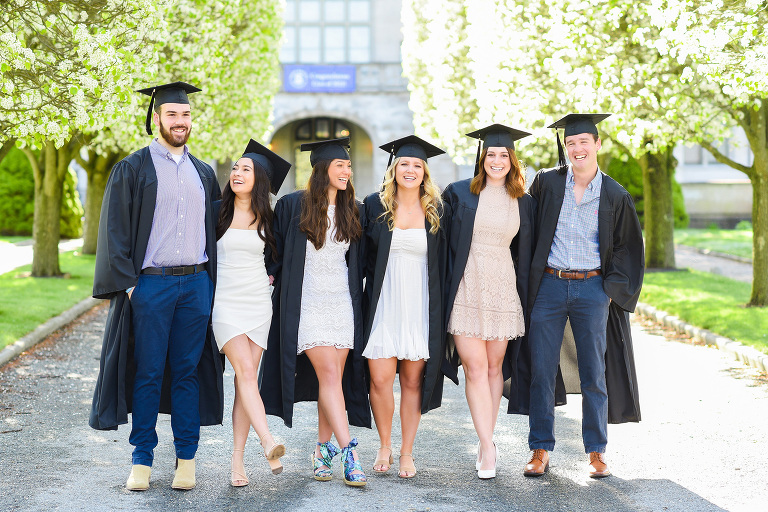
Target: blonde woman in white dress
[[405, 273], [242, 308]]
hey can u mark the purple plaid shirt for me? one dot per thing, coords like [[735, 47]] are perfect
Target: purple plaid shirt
[[178, 228], [576, 245]]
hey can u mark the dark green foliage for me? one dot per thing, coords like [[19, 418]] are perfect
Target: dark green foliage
[[629, 174], [17, 192], [17, 189]]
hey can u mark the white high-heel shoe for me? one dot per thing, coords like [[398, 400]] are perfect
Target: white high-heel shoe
[[485, 474]]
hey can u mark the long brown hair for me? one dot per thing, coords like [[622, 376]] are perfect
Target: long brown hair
[[260, 206], [515, 180], [314, 209]]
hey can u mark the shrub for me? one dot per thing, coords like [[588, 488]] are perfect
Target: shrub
[[17, 199], [626, 170]]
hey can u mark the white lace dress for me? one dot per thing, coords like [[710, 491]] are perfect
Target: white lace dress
[[487, 305], [327, 319], [401, 323], [243, 303]]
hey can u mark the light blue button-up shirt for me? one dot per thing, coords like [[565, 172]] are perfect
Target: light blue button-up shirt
[[576, 244], [177, 237]]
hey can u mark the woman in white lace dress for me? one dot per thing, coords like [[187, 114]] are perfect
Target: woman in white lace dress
[[405, 271], [490, 253], [318, 309], [242, 309]]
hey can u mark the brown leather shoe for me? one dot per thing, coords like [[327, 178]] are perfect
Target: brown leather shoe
[[539, 463], [599, 469]]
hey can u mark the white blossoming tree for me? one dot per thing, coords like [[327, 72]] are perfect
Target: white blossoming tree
[[725, 43], [66, 67], [531, 62], [227, 48]]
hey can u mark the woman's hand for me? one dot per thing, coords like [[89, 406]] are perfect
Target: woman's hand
[[271, 280]]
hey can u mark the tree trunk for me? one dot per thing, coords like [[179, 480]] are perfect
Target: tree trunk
[[98, 168], [658, 171], [223, 168], [759, 295], [49, 173]]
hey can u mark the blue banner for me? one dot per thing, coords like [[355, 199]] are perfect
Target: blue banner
[[299, 78]]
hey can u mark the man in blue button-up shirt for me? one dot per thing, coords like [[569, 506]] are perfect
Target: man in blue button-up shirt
[[156, 262], [590, 255]]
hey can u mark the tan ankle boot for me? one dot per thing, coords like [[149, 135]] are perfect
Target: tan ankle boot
[[138, 480], [184, 479]]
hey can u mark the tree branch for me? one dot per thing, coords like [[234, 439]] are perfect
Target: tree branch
[[35, 166], [749, 171], [6, 147]]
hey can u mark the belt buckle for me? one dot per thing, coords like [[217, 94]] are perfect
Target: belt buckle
[[177, 271], [559, 272]]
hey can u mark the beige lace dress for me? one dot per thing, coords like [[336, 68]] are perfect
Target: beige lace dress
[[487, 305]]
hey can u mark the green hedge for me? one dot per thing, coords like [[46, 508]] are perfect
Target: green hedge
[[17, 193], [630, 175]]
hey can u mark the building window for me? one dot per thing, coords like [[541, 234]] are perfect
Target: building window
[[692, 155], [326, 32]]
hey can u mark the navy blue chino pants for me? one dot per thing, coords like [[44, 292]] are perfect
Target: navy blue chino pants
[[170, 317], [584, 302]]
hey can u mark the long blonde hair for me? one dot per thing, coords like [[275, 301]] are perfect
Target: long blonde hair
[[430, 198]]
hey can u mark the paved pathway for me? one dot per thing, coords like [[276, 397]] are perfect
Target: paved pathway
[[20, 253], [700, 447], [690, 257]]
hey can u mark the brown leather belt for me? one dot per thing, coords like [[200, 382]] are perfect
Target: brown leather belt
[[174, 271], [572, 274]]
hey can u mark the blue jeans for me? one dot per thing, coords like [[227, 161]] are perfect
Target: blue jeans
[[584, 302], [170, 319]]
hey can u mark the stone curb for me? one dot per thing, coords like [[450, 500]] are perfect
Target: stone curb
[[45, 330], [747, 355], [724, 255]]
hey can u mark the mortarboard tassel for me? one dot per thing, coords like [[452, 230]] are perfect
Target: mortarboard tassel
[[561, 163], [477, 158], [149, 112]]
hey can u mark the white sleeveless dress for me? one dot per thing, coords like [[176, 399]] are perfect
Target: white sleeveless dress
[[243, 303], [401, 323], [326, 318]]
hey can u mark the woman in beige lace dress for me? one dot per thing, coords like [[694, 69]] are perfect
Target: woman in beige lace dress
[[489, 256]]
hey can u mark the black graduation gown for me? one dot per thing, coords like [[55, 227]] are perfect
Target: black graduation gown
[[622, 260], [286, 378], [464, 207], [378, 239], [125, 224]]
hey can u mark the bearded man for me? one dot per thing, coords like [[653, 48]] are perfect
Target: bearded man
[[156, 262]]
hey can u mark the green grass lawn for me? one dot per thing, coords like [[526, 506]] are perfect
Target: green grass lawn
[[729, 241], [709, 301], [13, 239], [26, 302]]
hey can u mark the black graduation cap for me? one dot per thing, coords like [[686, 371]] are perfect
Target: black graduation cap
[[327, 150], [411, 146], [574, 124], [495, 136], [168, 93], [276, 167]]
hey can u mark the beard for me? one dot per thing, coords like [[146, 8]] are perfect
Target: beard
[[174, 140]]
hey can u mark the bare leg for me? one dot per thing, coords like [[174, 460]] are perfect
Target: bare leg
[[328, 363], [382, 373], [411, 377], [476, 355], [240, 428], [244, 355]]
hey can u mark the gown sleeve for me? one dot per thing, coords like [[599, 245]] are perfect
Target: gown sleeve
[[115, 270]]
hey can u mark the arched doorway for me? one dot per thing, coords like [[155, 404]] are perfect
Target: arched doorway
[[288, 139]]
